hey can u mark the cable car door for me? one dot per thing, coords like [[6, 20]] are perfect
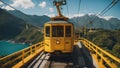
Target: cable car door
[[58, 37]]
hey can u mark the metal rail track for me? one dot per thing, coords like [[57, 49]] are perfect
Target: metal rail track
[[77, 59], [59, 62], [40, 61], [51, 61]]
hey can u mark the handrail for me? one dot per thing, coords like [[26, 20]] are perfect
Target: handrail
[[108, 54], [20, 56], [101, 53]]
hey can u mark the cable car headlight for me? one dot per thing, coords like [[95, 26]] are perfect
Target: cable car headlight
[[57, 42]]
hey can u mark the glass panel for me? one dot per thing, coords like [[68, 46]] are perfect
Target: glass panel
[[57, 31], [68, 31], [47, 31]]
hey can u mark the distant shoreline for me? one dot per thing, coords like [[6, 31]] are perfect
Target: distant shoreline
[[8, 47], [12, 41]]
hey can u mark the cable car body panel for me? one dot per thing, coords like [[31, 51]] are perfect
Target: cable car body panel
[[58, 36]]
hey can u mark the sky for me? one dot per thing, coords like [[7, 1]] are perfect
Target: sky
[[46, 7]]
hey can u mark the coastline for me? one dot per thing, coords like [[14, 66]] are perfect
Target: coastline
[[9, 47]]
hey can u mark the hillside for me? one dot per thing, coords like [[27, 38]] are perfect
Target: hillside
[[31, 34], [31, 19], [10, 26], [107, 39], [93, 21], [15, 29]]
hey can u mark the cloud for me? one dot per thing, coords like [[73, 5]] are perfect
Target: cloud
[[50, 15], [26, 4], [1, 3], [79, 15], [106, 17], [43, 4], [75, 15], [51, 9], [7, 8]]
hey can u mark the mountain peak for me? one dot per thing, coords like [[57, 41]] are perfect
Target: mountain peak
[[94, 21], [31, 19]]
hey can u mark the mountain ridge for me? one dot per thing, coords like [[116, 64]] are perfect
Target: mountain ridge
[[8, 25], [93, 21], [31, 19], [88, 20], [18, 30]]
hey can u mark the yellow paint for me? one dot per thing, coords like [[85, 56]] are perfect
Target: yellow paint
[[95, 50], [63, 44], [20, 64], [22, 56], [99, 52]]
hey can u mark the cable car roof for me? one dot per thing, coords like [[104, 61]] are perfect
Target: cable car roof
[[57, 22]]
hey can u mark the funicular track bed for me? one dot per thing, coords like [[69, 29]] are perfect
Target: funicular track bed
[[59, 61], [77, 59]]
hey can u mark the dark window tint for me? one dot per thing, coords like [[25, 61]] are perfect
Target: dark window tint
[[47, 31], [57, 31], [68, 31]]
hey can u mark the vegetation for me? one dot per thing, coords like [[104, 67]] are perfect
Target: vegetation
[[31, 19], [106, 39], [15, 29], [10, 26], [31, 34]]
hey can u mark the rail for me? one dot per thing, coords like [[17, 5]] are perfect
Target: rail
[[20, 58], [103, 58]]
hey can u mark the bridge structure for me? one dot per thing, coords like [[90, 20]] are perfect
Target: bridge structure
[[88, 55], [85, 55]]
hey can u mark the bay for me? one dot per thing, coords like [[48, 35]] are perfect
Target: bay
[[7, 48]]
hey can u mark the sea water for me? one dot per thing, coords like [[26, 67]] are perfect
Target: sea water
[[7, 48]]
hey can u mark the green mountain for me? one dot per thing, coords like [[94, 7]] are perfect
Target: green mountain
[[31, 19], [31, 34], [93, 21], [16, 29], [10, 26], [107, 39]]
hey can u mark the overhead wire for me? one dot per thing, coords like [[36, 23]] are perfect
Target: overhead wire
[[12, 8], [8, 5], [0, 4], [106, 8], [113, 3], [79, 3], [110, 7], [67, 9], [50, 3]]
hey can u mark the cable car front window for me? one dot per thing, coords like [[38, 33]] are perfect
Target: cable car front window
[[68, 31], [47, 31], [57, 31]]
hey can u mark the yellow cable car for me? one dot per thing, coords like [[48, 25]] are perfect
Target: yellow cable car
[[59, 33], [58, 36]]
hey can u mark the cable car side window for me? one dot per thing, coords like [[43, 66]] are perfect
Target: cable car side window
[[47, 31], [68, 31], [57, 31]]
